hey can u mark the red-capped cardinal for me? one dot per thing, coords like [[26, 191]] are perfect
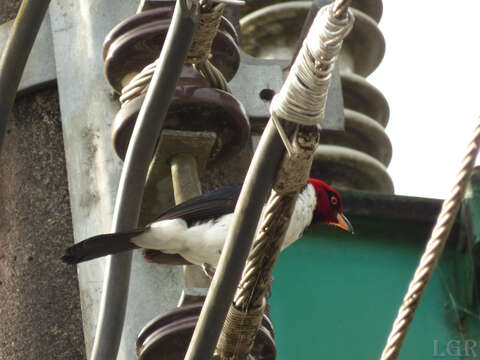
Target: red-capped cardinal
[[195, 230]]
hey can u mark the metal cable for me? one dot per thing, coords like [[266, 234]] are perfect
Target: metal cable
[[265, 250], [340, 8], [432, 253], [130, 192], [139, 83], [15, 54], [213, 75]]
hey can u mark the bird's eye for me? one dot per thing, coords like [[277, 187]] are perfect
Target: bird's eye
[[333, 200]]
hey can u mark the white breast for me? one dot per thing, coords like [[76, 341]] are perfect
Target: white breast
[[302, 215]]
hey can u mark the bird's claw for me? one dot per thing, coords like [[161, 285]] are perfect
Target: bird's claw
[[208, 270]]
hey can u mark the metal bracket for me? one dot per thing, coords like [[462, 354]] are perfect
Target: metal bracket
[[257, 80], [171, 143], [192, 296]]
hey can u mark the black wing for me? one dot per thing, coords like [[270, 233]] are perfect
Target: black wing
[[205, 207]]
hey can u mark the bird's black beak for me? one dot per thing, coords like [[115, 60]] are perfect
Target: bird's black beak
[[343, 223]]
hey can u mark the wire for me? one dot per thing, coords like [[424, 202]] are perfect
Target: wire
[[303, 97], [130, 192], [15, 55], [340, 8], [433, 251]]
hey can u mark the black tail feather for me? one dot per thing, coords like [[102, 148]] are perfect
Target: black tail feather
[[100, 245]]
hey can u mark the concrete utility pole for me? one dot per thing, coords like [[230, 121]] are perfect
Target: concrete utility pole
[[40, 311]]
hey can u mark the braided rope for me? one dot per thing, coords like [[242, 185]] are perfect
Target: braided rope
[[265, 250], [303, 97], [432, 253]]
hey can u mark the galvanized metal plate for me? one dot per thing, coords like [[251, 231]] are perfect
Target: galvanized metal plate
[[257, 81]]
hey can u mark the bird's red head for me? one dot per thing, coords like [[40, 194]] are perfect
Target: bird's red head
[[329, 208]]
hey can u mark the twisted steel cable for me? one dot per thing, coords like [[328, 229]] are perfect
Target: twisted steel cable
[[213, 75], [432, 253], [139, 83], [265, 250]]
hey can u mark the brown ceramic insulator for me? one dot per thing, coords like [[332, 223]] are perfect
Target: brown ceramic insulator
[[138, 40], [132, 23], [168, 336], [194, 107]]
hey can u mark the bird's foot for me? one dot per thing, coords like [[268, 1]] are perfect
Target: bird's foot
[[208, 270]]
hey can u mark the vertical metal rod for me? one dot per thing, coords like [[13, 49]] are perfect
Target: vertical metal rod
[[130, 192], [15, 56], [186, 185]]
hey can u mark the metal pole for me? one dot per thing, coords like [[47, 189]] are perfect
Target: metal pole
[[13, 60], [186, 183]]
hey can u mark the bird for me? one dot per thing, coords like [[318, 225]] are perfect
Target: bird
[[194, 231]]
